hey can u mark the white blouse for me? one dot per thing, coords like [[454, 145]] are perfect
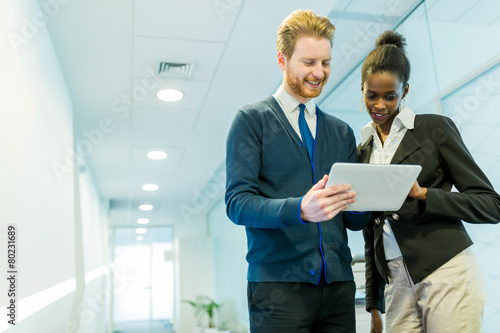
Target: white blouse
[[383, 154]]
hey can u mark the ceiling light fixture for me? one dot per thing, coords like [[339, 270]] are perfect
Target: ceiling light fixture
[[157, 155], [150, 187], [146, 207], [170, 95], [141, 230], [143, 220]]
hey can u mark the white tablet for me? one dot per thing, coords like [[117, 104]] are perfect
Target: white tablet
[[378, 187]]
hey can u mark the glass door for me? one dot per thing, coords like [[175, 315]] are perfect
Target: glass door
[[143, 280]]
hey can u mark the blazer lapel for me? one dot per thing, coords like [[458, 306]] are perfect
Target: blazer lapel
[[407, 146], [365, 151]]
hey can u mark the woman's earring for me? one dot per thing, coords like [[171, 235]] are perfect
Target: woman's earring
[[402, 104], [361, 105]]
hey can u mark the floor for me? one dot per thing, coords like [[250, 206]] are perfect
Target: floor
[[157, 326], [362, 319], [362, 324], [163, 326]]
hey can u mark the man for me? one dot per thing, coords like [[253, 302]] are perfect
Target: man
[[299, 274]]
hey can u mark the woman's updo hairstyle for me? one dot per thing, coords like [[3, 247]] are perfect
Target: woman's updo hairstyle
[[388, 56]]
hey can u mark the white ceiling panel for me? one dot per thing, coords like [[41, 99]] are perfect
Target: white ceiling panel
[[161, 172], [372, 8], [157, 125], [449, 10], [481, 13], [149, 52], [127, 213], [180, 19], [144, 95], [126, 236], [139, 154]]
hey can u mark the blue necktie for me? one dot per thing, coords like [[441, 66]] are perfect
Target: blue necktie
[[305, 132]]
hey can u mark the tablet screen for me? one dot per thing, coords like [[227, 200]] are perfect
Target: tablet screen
[[378, 187]]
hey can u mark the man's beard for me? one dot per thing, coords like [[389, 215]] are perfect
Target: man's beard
[[298, 86]]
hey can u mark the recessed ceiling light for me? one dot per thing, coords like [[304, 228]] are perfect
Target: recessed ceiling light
[[150, 187], [140, 238], [141, 230], [146, 207], [143, 221], [170, 95], [157, 155]]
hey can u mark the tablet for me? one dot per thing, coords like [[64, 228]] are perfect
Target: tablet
[[378, 187]]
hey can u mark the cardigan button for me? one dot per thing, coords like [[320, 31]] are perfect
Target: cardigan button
[[377, 221], [312, 272], [395, 217]]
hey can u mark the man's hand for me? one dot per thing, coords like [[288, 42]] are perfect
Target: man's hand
[[322, 204]]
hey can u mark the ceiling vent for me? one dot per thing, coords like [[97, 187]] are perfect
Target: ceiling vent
[[173, 69]]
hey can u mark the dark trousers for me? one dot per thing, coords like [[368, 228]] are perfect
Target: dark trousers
[[288, 307]]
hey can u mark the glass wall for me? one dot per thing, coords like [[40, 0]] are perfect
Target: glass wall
[[455, 72], [472, 106]]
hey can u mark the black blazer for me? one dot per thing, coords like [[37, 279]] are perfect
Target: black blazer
[[429, 233]]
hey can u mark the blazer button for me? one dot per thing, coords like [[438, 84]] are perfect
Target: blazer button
[[377, 221], [395, 217]]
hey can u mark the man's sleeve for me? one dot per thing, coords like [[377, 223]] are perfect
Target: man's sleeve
[[244, 204]]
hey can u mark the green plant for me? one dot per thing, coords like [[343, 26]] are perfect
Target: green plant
[[198, 310], [210, 308], [205, 304]]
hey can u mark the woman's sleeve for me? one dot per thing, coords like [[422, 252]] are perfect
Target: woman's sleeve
[[476, 201], [374, 282]]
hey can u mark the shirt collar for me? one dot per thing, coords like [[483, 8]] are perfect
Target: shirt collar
[[405, 118], [291, 104]]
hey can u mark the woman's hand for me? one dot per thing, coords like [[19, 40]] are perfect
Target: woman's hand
[[376, 325], [417, 192]]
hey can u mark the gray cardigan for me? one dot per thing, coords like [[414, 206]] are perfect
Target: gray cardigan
[[268, 173]]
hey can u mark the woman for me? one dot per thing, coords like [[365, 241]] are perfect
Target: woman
[[419, 256]]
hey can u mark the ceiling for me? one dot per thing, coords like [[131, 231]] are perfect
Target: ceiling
[[109, 52]]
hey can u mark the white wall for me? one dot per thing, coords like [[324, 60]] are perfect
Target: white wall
[[38, 180], [230, 249], [195, 278], [210, 260], [95, 293]]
